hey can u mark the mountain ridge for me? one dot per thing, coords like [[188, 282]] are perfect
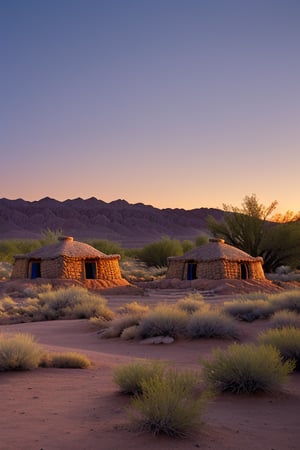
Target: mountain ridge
[[92, 218]]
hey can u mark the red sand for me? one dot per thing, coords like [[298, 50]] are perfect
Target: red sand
[[55, 409]]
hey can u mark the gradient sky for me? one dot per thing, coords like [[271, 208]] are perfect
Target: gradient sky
[[174, 103]]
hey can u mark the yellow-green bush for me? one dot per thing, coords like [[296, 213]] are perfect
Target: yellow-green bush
[[129, 377], [246, 368], [286, 340], [169, 404], [19, 352]]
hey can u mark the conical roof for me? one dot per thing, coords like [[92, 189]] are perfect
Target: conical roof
[[216, 249], [66, 246]]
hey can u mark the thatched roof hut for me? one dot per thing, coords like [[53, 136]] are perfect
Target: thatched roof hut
[[215, 260], [67, 259]]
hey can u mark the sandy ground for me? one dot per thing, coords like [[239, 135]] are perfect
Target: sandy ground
[[73, 409]]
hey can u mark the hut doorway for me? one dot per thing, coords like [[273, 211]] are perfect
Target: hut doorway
[[191, 271], [244, 272], [35, 269], [90, 270]]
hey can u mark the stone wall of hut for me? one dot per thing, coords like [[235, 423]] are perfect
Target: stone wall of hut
[[68, 268], [175, 269], [109, 268], [20, 269], [216, 270], [211, 270]]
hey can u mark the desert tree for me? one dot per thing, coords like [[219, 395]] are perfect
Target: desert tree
[[243, 227]]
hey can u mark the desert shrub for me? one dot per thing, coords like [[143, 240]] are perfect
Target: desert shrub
[[98, 323], [133, 308], [134, 269], [66, 360], [246, 368], [107, 247], [118, 325], [34, 291], [248, 310], [129, 377], [169, 404], [73, 303], [201, 240], [289, 300], [19, 352], [286, 340], [30, 311], [187, 245], [5, 270], [129, 333], [11, 247], [163, 321], [7, 304], [157, 253], [192, 303], [283, 319], [211, 324]]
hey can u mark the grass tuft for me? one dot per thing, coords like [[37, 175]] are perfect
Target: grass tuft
[[286, 340], [283, 319], [212, 324], [163, 321], [66, 360], [169, 405], [247, 369], [19, 352], [192, 303], [129, 377]]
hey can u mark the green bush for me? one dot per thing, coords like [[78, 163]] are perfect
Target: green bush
[[283, 319], [66, 360], [157, 253], [211, 324], [169, 404], [201, 240], [129, 377], [249, 310], [11, 247], [19, 352], [107, 247], [286, 340], [163, 321], [246, 368], [192, 303]]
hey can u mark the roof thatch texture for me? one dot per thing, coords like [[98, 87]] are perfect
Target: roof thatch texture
[[65, 246], [216, 249]]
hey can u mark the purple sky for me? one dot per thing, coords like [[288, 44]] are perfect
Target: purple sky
[[174, 103]]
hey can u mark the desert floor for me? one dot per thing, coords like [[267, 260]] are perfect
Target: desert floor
[[73, 409]]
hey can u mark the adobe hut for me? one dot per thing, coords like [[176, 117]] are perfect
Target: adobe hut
[[67, 259], [215, 260]]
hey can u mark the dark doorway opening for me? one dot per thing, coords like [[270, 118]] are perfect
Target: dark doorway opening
[[244, 272], [90, 270], [192, 271], [35, 269]]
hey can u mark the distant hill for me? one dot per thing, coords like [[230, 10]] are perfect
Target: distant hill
[[129, 224]]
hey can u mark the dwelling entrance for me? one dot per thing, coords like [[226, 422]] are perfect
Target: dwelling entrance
[[90, 270], [191, 271], [244, 272], [35, 269]]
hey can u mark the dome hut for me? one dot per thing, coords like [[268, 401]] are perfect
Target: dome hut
[[67, 259], [215, 260]]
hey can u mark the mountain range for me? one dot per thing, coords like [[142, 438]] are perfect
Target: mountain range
[[132, 225]]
